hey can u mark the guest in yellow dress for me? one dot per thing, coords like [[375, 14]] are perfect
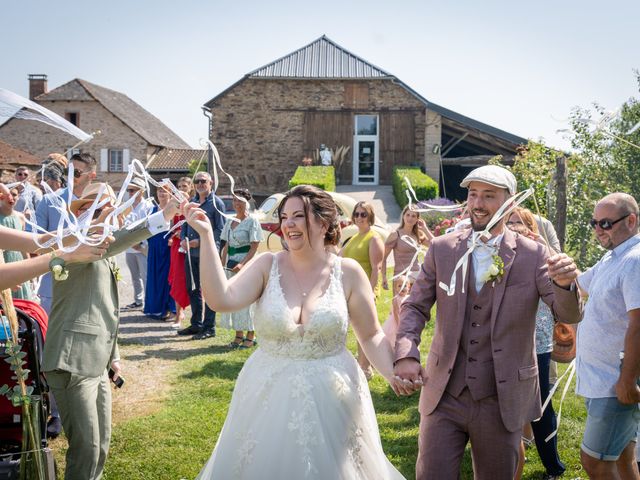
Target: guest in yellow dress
[[366, 248]]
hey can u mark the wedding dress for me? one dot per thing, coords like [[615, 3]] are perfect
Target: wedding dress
[[301, 407]]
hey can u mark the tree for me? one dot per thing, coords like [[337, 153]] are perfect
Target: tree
[[196, 165], [604, 159]]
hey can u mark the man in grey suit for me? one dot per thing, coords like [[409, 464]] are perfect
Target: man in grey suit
[[81, 343], [481, 377]]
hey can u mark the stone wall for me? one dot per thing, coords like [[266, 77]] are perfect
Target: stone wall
[[258, 124], [40, 139]]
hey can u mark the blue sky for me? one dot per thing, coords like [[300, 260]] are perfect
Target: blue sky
[[518, 66]]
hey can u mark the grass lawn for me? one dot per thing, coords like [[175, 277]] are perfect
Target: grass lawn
[[175, 441]]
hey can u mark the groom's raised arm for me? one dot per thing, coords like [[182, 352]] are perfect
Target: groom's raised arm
[[416, 310]]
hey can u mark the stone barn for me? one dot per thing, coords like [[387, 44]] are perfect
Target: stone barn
[[322, 94]]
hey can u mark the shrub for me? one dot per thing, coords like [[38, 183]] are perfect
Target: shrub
[[320, 176], [424, 186]]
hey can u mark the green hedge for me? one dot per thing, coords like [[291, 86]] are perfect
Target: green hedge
[[425, 187], [320, 176]]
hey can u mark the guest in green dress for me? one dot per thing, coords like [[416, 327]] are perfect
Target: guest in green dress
[[11, 219], [242, 237]]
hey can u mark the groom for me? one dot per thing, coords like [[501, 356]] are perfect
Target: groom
[[481, 376]]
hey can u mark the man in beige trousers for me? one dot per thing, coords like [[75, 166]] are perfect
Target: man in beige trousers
[[81, 344], [481, 377]]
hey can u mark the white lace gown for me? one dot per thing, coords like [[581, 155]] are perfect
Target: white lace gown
[[301, 407]]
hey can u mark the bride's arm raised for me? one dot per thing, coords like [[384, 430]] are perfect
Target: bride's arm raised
[[364, 318], [221, 294]]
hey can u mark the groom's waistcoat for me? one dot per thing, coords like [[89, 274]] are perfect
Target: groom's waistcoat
[[473, 367]]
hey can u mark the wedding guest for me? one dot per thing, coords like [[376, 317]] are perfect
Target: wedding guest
[[203, 319], [81, 343], [608, 347], [11, 219], [158, 303], [522, 221], [482, 357], [48, 216], [136, 255], [242, 239], [412, 226], [177, 275], [30, 195], [366, 248]]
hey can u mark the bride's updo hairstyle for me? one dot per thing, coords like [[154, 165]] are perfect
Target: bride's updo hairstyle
[[318, 203]]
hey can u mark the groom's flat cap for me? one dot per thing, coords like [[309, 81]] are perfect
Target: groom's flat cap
[[493, 175]]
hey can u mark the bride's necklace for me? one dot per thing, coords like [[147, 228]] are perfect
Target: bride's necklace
[[299, 283]]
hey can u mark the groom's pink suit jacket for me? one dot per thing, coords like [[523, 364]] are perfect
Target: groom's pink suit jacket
[[515, 302]]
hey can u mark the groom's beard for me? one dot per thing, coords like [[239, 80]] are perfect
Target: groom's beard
[[479, 225]]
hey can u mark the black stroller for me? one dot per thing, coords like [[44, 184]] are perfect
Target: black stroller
[[32, 330]]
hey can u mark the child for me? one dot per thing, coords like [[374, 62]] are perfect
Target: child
[[390, 327]]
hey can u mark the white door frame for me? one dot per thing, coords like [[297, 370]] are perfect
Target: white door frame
[[376, 157]]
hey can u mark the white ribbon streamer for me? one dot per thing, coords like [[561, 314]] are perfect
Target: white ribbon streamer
[[410, 192], [419, 249], [571, 370]]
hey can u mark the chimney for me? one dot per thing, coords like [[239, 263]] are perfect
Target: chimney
[[37, 85]]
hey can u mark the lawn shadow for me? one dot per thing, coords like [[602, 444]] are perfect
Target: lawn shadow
[[167, 353], [219, 368]]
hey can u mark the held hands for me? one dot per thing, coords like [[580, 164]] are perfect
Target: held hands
[[88, 253], [408, 376], [562, 270], [172, 208]]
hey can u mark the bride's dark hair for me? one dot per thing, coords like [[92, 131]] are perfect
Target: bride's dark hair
[[321, 205]]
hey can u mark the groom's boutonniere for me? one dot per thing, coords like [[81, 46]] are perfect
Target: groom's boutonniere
[[495, 271]]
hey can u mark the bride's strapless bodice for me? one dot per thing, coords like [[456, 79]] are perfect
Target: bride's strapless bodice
[[325, 332]]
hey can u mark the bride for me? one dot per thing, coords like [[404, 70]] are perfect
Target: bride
[[311, 410]]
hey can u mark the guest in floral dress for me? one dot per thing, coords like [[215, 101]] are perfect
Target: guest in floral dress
[[242, 236]]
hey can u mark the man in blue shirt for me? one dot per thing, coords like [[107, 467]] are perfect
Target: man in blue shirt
[[47, 217], [203, 319], [611, 326]]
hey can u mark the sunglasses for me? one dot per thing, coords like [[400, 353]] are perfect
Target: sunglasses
[[200, 180], [78, 173], [605, 224], [24, 174], [360, 214], [132, 190]]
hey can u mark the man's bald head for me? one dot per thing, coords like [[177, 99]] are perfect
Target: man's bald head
[[623, 202]]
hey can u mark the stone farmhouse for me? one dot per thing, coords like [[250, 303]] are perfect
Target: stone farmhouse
[[264, 124], [126, 130]]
